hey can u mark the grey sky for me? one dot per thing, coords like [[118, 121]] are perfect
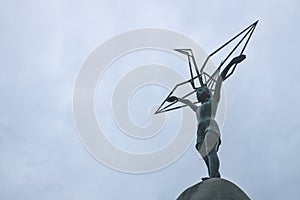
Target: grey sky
[[43, 44]]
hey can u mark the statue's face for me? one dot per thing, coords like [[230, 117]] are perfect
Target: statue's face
[[202, 93]]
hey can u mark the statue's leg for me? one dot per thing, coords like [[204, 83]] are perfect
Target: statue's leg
[[201, 149], [214, 164], [206, 160], [211, 143]]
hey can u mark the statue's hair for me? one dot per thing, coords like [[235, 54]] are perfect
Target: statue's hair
[[204, 87]]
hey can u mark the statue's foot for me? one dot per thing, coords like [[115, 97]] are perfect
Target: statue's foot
[[216, 176], [205, 178]]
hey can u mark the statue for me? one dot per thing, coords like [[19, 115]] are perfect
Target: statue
[[207, 87], [208, 132]]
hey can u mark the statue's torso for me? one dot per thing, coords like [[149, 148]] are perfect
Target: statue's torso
[[206, 113]]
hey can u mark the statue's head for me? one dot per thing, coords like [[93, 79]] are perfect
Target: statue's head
[[203, 93]]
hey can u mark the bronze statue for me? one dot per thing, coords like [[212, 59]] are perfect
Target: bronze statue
[[208, 132], [207, 87]]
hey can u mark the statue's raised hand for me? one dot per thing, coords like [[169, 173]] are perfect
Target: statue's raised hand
[[238, 59], [172, 99]]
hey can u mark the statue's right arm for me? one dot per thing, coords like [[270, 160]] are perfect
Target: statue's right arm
[[189, 103], [184, 101]]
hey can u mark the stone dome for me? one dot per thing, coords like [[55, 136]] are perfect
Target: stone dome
[[213, 189]]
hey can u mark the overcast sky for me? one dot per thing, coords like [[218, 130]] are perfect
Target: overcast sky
[[44, 43]]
